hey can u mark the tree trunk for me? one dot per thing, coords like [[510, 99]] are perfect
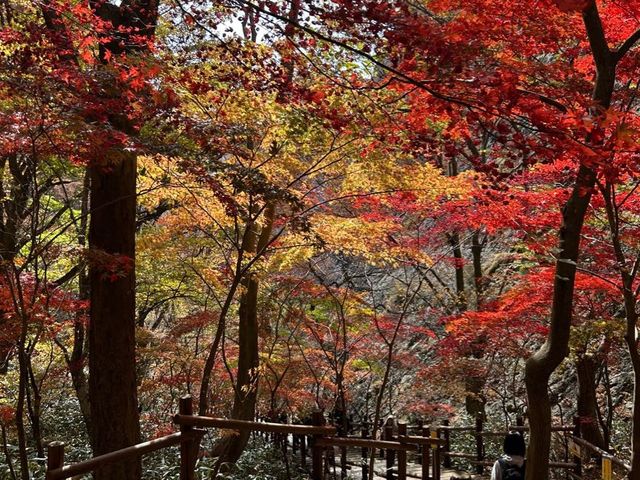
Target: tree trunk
[[79, 357], [112, 379], [586, 367], [246, 388], [632, 344], [476, 252], [112, 360], [475, 400], [454, 241], [542, 364], [34, 408]]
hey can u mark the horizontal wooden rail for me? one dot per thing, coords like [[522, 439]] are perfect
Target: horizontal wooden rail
[[590, 446], [554, 428], [421, 440], [492, 434], [365, 443], [127, 453], [459, 455], [197, 421], [455, 429], [562, 465], [488, 463]]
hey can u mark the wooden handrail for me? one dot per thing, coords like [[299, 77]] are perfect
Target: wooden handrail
[[133, 451], [366, 443], [554, 428], [420, 440], [590, 446], [471, 456], [562, 464], [231, 424], [455, 429]]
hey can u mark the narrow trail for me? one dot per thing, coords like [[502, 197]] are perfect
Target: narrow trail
[[414, 469]]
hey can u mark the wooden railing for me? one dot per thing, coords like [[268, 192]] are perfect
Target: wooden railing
[[321, 437], [188, 438], [478, 458], [318, 436], [431, 444], [582, 451]]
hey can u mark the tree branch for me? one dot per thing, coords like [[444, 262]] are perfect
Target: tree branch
[[627, 45], [597, 38]]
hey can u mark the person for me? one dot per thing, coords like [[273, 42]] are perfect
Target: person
[[511, 465]]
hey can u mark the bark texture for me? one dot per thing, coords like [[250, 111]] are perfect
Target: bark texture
[[112, 379], [112, 360], [586, 368]]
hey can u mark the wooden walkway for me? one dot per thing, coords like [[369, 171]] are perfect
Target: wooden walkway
[[414, 470]]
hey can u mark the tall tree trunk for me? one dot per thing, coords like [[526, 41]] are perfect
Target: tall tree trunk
[[246, 385], [476, 252], [246, 388], [454, 241], [34, 408], [629, 295], [475, 401], [112, 228], [586, 366], [632, 345], [20, 410], [14, 175], [78, 358], [542, 364], [112, 379]]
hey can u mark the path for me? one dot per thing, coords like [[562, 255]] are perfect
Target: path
[[414, 470]]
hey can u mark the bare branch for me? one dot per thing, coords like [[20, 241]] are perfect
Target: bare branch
[[628, 44]]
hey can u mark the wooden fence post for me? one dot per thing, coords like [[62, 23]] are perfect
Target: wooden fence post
[[419, 425], [303, 451], [479, 446], [402, 454], [343, 432], [577, 459], [520, 423], [426, 453], [55, 456], [607, 473], [381, 429], [388, 435], [316, 450], [436, 455], [188, 447], [447, 444], [365, 451]]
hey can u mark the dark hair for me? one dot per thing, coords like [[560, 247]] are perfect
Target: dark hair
[[514, 444]]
